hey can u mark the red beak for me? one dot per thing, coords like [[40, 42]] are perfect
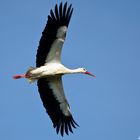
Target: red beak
[[90, 74]]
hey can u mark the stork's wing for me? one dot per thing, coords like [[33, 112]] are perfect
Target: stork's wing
[[54, 35], [56, 105]]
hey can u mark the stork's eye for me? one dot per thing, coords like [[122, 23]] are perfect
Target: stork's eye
[[84, 69]]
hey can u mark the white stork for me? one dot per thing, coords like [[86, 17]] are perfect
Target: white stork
[[49, 70]]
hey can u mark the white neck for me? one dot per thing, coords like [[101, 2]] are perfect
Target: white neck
[[78, 70]]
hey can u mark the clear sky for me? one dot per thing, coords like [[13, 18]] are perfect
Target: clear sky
[[103, 37]]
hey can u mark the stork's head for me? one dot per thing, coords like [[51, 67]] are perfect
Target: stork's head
[[83, 70]]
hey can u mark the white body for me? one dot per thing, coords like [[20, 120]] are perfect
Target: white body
[[51, 69]]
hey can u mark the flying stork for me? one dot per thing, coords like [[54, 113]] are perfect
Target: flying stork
[[49, 69]]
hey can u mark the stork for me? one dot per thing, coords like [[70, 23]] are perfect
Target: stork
[[49, 69]]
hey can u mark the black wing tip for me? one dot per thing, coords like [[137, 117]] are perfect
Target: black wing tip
[[61, 14], [65, 125]]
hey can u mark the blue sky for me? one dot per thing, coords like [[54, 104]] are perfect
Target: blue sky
[[103, 37]]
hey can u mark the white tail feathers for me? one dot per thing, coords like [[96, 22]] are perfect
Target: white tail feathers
[[30, 78], [28, 73]]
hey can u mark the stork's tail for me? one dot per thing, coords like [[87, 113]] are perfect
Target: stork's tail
[[27, 75]]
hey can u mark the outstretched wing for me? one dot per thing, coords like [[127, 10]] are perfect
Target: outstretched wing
[[53, 98], [54, 34]]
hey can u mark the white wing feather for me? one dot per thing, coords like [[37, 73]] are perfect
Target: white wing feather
[[55, 84], [55, 52]]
